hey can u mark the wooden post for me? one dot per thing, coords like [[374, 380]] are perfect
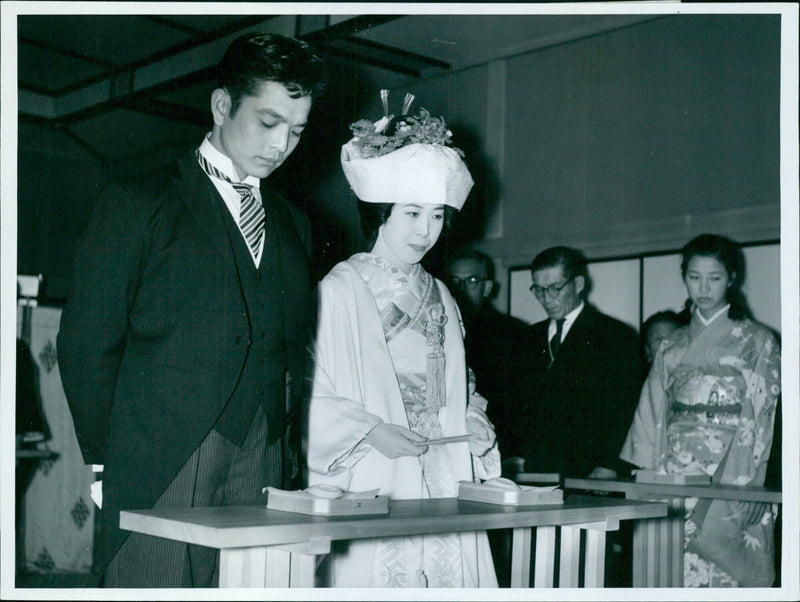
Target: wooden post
[[544, 563], [521, 557], [570, 556]]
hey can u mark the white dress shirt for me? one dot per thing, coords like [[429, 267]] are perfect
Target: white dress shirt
[[569, 320], [233, 199]]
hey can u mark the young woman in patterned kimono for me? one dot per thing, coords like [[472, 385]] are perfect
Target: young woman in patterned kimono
[[389, 364], [708, 407]]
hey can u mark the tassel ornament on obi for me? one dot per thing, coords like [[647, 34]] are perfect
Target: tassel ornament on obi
[[434, 335]]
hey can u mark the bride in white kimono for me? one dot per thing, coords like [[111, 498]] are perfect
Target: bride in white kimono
[[389, 363]]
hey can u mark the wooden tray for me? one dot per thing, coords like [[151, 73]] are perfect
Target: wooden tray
[[650, 476], [304, 503], [526, 496]]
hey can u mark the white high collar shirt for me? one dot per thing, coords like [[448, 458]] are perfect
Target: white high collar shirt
[[228, 193], [569, 320]]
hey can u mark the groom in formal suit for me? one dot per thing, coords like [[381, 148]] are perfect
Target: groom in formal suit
[[182, 344], [581, 371]]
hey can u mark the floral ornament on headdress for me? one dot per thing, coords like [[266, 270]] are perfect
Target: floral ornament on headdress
[[422, 128], [405, 159]]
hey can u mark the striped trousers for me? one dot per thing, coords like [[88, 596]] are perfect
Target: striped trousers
[[217, 474]]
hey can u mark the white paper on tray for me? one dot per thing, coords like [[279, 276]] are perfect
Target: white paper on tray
[[508, 484], [326, 500], [329, 492], [503, 491]]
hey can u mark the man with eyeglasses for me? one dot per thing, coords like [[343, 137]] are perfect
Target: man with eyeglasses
[[492, 337], [582, 372], [491, 342]]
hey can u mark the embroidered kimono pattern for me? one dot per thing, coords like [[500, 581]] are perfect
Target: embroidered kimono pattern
[[413, 318], [708, 407], [357, 385]]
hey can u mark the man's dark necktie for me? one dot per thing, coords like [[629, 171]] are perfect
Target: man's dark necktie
[[555, 342], [251, 212]]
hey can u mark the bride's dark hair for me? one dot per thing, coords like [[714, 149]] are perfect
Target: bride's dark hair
[[373, 215]]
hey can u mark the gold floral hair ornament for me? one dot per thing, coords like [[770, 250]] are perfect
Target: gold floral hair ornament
[[405, 159], [390, 133]]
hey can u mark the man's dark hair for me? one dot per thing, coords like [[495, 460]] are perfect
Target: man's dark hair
[[572, 262], [373, 215], [469, 253], [258, 57], [666, 316]]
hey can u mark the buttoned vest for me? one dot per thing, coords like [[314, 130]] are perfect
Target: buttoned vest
[[263, 376]]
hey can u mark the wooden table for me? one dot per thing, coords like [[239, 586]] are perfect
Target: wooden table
[[261, 547], [658, 542]]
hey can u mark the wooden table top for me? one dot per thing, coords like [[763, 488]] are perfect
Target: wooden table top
[[721, 492], [249, 526]]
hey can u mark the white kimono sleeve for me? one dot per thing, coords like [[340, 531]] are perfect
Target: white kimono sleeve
[[338, 421], [488, 466]]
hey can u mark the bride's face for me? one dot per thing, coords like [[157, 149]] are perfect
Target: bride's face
[[410, 231]]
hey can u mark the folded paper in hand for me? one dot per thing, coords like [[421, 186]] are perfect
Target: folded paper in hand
[[453, 439], [327, 500]]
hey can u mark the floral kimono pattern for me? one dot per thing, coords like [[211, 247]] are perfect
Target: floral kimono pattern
[[708, 407], [413, 318]]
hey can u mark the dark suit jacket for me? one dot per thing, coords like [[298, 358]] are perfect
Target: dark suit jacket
[[576, 412], [155, 332], [492, 343]]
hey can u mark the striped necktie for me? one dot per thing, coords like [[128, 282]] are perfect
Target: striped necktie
[[251, 211]]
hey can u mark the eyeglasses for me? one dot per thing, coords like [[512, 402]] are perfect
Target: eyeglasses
[[552, 291], [470, 282]]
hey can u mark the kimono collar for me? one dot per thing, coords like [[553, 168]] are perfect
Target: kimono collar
[[700, 326], [708, 321], [389, 284]]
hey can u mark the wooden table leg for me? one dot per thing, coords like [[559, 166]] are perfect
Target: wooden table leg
[[676, 518], [244, 567], [545, 561], [570, 557], [521, 557], [272, 566], [658, 546], [595, 560], [641, 533]]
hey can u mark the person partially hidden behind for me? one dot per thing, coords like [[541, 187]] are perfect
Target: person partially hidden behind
[[492, 338], [582, 377], [184, 338], [655, 329]]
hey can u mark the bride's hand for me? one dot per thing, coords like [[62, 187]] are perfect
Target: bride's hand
[[485, 436], [394, 441]]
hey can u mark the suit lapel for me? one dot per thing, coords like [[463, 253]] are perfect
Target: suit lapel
[[203, 201], [576, 331]]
